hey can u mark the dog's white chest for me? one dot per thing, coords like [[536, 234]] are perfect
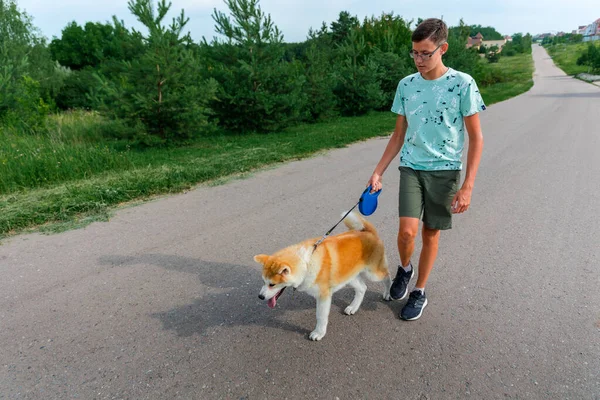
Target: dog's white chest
[[312, 290]]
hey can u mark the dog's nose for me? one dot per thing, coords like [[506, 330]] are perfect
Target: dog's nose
[[260, 296]]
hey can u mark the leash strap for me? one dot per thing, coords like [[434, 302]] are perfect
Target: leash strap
[[331, 230]]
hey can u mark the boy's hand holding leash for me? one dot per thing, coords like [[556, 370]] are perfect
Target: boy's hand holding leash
[[375, 183]]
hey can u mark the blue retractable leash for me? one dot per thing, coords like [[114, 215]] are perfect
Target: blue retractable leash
[[367, 204]]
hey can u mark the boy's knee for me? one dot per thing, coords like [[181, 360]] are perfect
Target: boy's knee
[[406, 236]]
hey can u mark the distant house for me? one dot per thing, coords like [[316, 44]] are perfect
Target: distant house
[[492, 43], [477, 41], [592, 31]]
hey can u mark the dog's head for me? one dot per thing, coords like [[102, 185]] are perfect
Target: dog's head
[[280, 270]]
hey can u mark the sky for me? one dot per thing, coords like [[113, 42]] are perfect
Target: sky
[[294, 18]]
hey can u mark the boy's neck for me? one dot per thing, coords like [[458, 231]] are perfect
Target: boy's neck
[[435, 73]]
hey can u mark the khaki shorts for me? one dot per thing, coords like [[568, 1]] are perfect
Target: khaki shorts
[[428, 193]]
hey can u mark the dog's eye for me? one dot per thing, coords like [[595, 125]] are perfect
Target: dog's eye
[[271, 285]]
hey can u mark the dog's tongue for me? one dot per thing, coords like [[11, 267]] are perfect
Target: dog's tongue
[[273, 300]]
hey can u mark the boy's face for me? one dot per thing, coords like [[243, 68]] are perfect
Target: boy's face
[[427, 54]]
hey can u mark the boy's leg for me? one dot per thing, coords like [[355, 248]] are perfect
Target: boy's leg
[[439, 189], [429, 252], [407, 232], [417, 300], [410, 208]]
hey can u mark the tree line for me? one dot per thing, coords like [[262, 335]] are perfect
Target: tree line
[[165, 87]]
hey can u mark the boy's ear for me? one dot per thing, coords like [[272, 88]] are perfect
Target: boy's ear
[[261, 258]]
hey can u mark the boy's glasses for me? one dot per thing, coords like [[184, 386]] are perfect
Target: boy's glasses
[[424, 56]]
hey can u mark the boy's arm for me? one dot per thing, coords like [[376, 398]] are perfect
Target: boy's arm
[[391, 151], [462, 199]]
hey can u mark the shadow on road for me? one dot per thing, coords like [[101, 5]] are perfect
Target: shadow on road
[[231, 299]]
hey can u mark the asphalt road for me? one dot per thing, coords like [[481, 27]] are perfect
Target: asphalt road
[[161, 301]]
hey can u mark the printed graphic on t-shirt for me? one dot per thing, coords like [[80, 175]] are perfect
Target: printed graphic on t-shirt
[[434, 110]]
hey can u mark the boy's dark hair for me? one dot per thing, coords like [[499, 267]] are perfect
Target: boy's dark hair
[[433, 29]]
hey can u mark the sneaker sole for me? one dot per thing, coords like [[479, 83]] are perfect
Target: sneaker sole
[[419, 315]]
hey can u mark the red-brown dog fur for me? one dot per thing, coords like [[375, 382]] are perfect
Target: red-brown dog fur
[[338, 261]]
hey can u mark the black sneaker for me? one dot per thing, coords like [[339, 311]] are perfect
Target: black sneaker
[[399, 287], [414, 306]]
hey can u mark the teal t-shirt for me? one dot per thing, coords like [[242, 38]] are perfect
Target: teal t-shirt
[[434, 111]]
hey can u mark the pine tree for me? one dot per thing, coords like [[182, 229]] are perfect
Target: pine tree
[[358, 89], [259, 90], [161, 90]]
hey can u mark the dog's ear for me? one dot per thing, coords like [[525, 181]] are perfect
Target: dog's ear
[[285, 271], [261, 258]]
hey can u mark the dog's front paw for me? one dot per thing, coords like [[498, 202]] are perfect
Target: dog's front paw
[[351, 310], [387, 297], [316, 335]]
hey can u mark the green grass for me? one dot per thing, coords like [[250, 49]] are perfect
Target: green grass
[[132, 175], [73, 148], [517, 78], [565, 57], [72, 177]]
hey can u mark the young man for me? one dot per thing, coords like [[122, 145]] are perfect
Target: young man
[[434, 106]]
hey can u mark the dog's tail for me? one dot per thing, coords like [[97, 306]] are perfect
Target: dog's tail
[[354, 221]]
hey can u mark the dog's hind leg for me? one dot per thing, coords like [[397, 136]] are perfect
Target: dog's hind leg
[[380, 272], [387, 284], [359, 293], [387, 280], [323, 307]]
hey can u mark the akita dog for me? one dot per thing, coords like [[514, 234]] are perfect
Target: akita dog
[[338, 261]]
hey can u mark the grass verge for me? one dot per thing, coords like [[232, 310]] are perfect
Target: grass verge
[[517, 78], [565, 57], [97, 176]]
